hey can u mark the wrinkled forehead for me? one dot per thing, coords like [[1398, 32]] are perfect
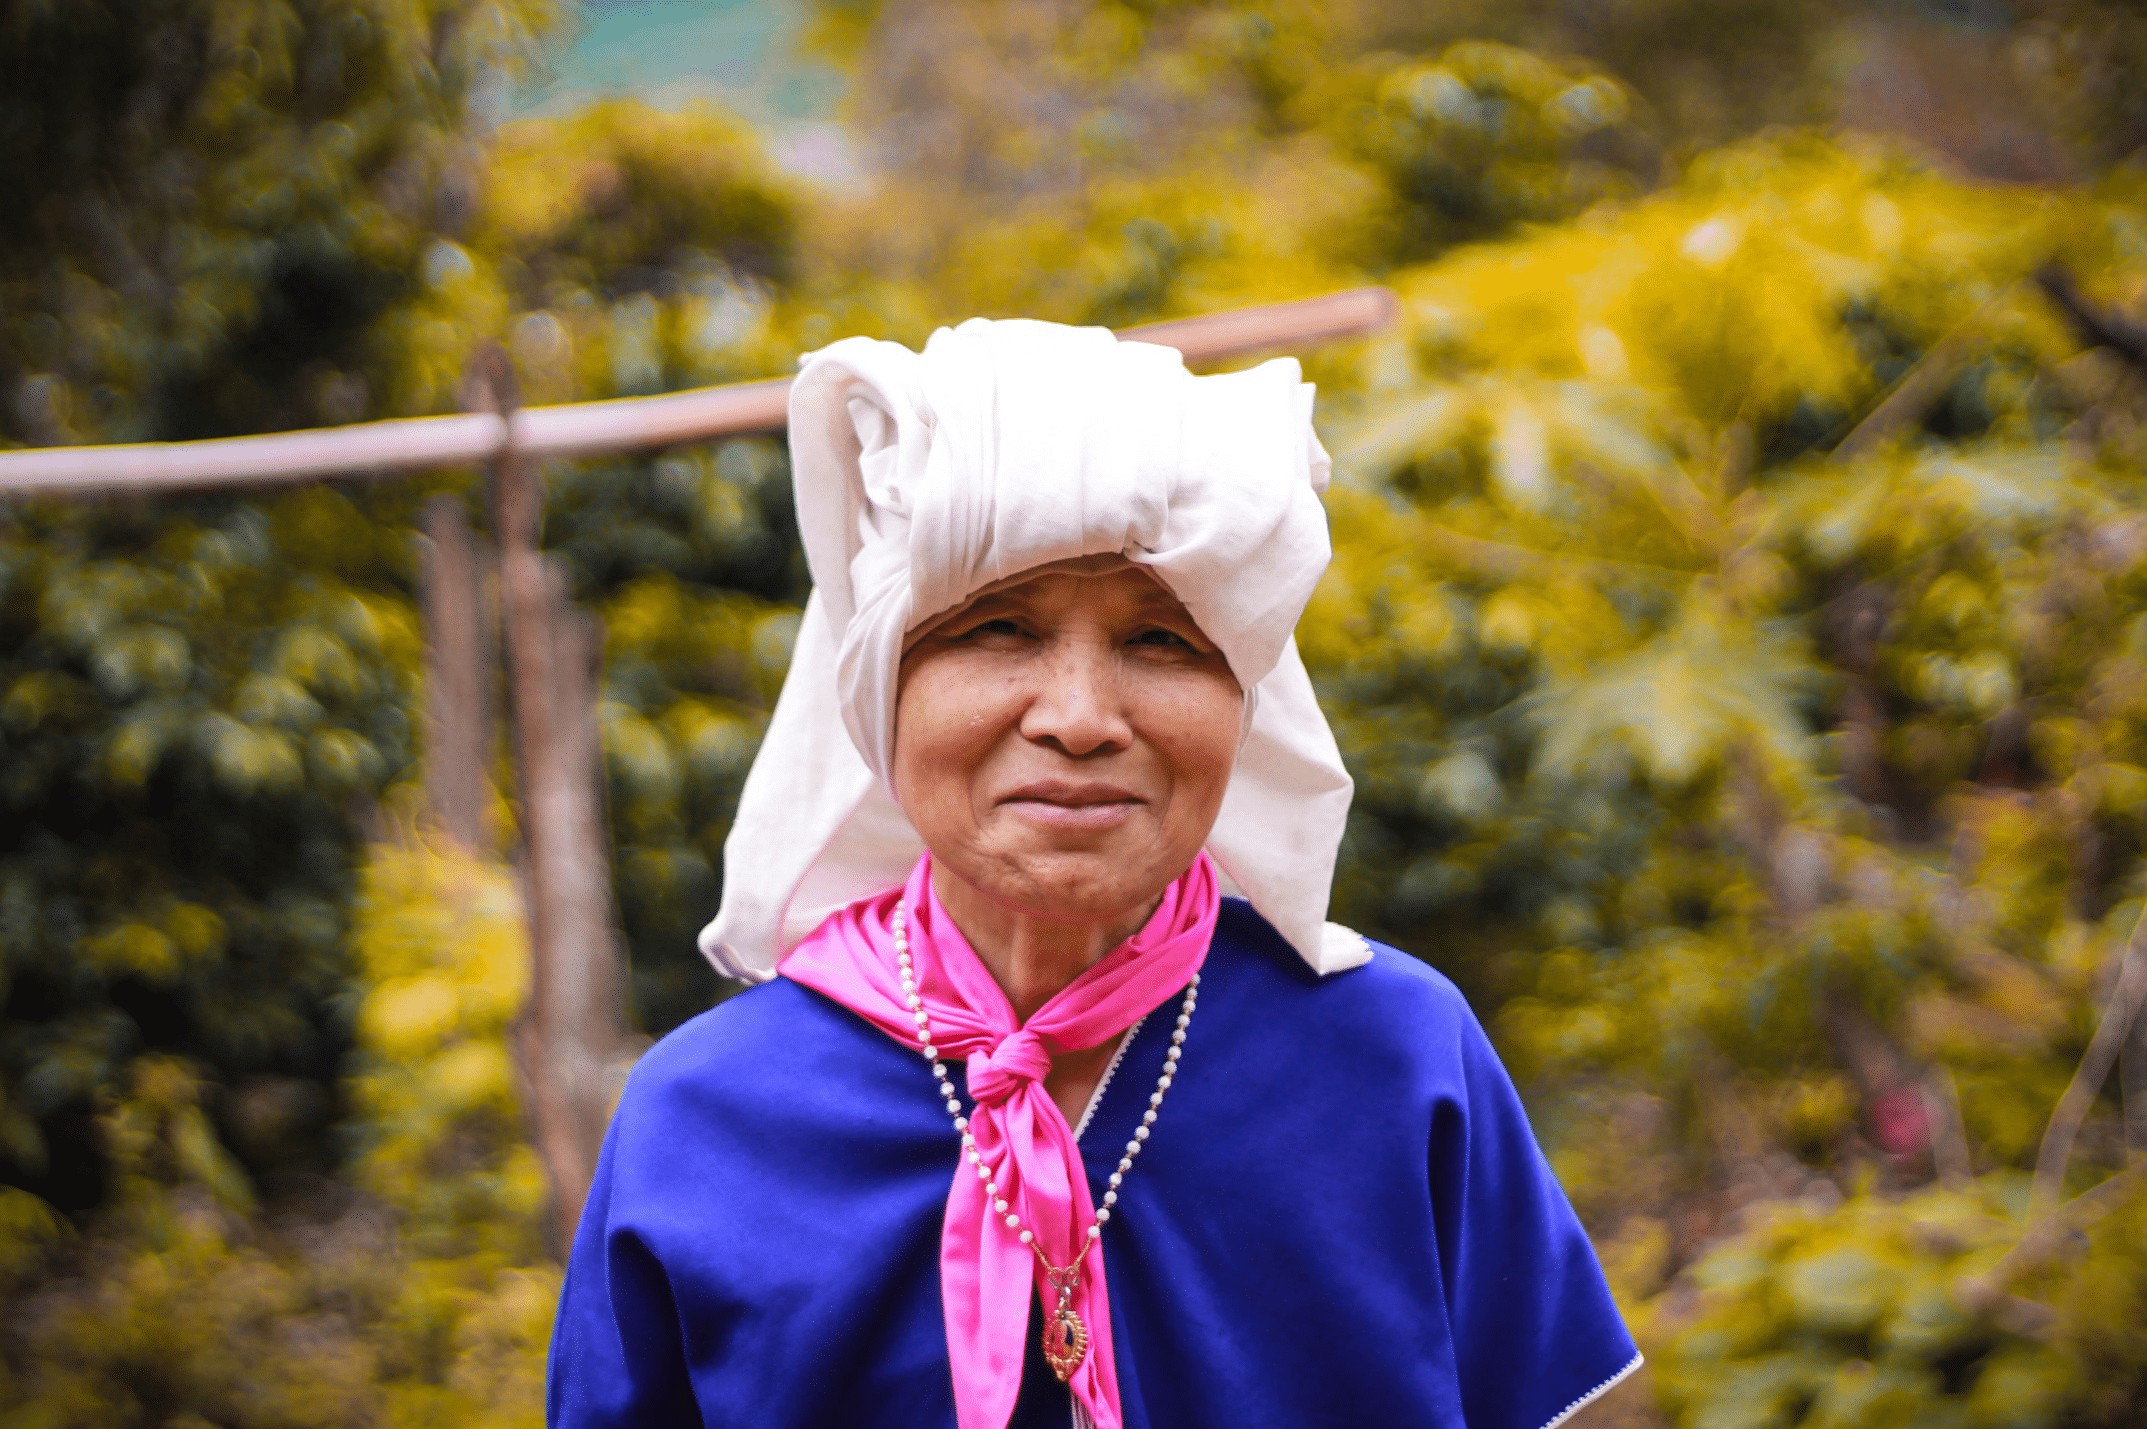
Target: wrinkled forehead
[[1090, 567]]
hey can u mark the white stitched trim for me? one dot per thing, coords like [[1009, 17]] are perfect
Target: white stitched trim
[[1095, 1098], [1594, 1394]]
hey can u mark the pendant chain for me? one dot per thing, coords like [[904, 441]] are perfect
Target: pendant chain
[[1063, 1278]]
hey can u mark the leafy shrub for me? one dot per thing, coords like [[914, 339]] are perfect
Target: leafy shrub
[[424, 1298], [190, 703], [1849, 1316], [1485, 137], [1742, 742]]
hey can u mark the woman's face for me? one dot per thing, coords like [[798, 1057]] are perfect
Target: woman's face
[[1063, 745]]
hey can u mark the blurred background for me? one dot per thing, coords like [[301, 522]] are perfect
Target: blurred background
[[1738, 626]]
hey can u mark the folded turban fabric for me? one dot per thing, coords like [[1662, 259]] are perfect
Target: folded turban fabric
[[922, 478]]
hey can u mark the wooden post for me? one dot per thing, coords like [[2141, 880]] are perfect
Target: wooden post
[[588, 984], [460, 660], [574, 1027], [2132, 1079]]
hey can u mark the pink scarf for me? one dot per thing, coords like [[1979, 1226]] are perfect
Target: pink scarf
[[986, 1274]]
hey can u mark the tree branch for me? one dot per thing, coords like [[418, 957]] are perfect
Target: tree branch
[[1986, 1293], [1923, 384], [2097, 327], [1510, 562], [1911, 397], [2125, 997]]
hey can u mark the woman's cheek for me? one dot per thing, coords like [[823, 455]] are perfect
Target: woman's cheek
[[956, 763], [1200, 728]]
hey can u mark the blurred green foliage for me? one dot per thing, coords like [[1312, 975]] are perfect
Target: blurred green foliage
[[188, 700], [225, 205], [1847, 1315], [690, 677], [643, 252], [1487, 137], [1778, 799], [1763, 764], [228, 216], [415, 1294], [443, 969], [200, 700]]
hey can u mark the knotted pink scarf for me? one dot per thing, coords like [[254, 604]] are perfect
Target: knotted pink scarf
[[986, 1274]]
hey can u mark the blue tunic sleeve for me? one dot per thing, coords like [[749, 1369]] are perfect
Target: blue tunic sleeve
[[760, 1244], [618, 1358], [1536, 1334]]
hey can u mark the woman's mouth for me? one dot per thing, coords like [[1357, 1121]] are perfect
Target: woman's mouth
[[1072, 804]]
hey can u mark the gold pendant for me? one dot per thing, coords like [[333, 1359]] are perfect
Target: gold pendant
[[1065, 1342]]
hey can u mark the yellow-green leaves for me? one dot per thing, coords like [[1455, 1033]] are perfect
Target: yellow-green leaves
[[1484, 136], [647, 250], [1683, 705], [161, 951], [27, 1227], [1753, 775], [443, 960], [421, 1309], [1847, 1316], [158, 1135], [1731, 298]]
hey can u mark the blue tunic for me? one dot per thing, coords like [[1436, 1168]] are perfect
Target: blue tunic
[[1341, 1219]]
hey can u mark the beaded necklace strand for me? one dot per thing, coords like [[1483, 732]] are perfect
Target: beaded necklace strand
[[1065, 1336]]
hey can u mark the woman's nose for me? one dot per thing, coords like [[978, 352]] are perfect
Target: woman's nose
[[1078, 702]]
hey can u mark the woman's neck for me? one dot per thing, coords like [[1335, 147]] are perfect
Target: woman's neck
[[1032, 959]]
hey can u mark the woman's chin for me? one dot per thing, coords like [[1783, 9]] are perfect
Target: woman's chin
[[1085, 885]]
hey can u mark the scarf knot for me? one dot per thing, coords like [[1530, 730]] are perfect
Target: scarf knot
[[996, 1075]]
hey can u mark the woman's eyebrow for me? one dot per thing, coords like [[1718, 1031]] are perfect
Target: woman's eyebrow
[[983, 608], [1161, 602]]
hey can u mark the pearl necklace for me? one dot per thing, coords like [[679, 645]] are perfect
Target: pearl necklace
[[1065, 1337]]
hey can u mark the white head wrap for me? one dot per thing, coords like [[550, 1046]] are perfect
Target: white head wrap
[[1005, 446]]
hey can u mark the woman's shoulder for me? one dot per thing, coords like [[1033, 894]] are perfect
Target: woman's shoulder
[[773, 1033], [1388, 995]]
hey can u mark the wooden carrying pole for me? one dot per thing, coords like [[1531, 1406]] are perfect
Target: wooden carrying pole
[[584, 428]]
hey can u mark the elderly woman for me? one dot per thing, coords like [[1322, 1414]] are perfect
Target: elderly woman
[[1066, 1106]]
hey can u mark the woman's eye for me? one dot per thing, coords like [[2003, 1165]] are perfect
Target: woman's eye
[[994, 627], [1167, 639]]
